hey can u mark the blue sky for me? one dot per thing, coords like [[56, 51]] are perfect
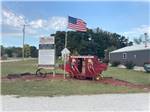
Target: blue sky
[[126, 18]]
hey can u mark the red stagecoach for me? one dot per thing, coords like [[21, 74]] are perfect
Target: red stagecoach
[[83, 67]]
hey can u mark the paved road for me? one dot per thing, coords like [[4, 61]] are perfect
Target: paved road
[[109, 102]]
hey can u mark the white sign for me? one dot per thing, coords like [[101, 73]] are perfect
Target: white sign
[[47, 40], [46, 56]]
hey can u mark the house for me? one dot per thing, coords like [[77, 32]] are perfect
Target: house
[[138, 54]]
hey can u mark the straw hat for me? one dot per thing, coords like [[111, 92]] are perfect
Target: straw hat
[[90, 61]]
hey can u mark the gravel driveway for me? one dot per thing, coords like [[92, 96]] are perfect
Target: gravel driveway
[[109, 102]]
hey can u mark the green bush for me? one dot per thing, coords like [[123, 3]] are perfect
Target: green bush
[[4, 57], [115, 63], [129, 65]]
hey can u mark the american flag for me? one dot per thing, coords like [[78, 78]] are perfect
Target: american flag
[[76, 24]]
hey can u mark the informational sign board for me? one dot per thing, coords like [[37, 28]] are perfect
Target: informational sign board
[[46, 57]]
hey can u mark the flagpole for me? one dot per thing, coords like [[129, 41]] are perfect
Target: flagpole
[[65, 55], [66, 38], [65, 52]]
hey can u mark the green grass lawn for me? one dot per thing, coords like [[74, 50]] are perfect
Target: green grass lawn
[[137, 77], [21, 67], [18, 67], [60, 87], [66, 87]]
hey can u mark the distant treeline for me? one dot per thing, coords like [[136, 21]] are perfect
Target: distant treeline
[[92, 42], [29, 51]]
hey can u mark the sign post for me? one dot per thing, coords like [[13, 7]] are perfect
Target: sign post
[[46, 57], [65, 55]]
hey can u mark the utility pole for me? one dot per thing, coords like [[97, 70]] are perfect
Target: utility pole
[[23, 41], [24, 26], [145, 39]]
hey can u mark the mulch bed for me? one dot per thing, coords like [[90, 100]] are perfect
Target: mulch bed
[[104, 80], [117, 82], [29, 76]]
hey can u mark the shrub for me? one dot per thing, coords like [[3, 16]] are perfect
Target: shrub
[[4, 57], [129, 65], [115, 63]]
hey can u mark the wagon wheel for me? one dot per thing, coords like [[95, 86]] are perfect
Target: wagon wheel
[[99, 77], [41, 73]]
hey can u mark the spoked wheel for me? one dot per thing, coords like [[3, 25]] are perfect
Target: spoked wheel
[[41, 72], [99, 77]]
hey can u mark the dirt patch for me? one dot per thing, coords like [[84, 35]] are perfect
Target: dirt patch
[[104, 80], [29, 76], [117, 82]]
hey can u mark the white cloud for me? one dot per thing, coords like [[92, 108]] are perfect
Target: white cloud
[[143, 29], [38, 23], [12, 24], [53, 23], [11, 19], [136, 32], [57, 23]]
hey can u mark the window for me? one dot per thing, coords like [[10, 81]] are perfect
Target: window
[[135, 56], [124, 55]]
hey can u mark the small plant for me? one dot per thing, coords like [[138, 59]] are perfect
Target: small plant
[[115, 63], [129, 65]]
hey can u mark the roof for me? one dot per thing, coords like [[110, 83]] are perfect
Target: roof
[[82, 56], [133, 48], [65, 51]]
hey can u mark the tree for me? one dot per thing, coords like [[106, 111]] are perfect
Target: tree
[[8, 51], [17, 51], [79, 43], [34, 51], [130, 43], [27, 51], [142, 39], [2, 50], [138, 40], [60, 42]]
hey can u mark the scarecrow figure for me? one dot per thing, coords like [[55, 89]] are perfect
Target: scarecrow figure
[[90, 66]]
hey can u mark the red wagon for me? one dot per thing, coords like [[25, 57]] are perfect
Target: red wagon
[[83, 67]]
